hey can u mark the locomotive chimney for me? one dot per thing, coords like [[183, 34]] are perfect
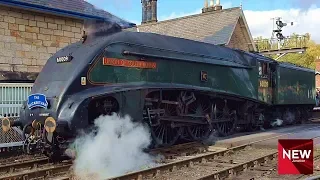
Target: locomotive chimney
[[149, 11]]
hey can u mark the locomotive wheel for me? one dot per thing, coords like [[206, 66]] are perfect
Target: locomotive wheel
[[288, 117], [200, 108], [227, 128], [199, 132], [165, 135], [298, 116], [251, 126]]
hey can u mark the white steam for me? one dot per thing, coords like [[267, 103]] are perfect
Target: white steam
[[277, 122], [113, 150]]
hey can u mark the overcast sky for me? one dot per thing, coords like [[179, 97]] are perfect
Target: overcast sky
[[304, 13]]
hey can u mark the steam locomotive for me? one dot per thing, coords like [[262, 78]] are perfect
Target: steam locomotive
[[178, 87]]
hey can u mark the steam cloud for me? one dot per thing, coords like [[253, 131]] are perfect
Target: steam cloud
[[113, 150]]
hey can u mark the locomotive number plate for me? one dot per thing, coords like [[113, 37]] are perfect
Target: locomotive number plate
[[63, 59], [264, 83]]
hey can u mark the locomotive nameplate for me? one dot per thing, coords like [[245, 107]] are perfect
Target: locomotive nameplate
[[129, 63]]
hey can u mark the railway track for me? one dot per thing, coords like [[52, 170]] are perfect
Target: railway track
[[14, 167], [33, 169], [229, 168], [41, 167], [270, 171], [226, 163]]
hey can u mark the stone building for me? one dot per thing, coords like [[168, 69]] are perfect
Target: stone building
[[227, 27], [32, 30]]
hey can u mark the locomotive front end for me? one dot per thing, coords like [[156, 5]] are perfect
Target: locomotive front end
[[39, 115]]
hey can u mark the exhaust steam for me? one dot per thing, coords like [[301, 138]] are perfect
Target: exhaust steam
[[276, 122], [113, 149]]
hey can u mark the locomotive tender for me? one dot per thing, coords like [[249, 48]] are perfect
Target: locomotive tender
[[178, 87]]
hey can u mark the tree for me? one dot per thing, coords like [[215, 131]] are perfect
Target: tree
[[306, 59]]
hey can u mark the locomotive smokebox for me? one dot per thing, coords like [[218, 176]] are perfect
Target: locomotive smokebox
[[97, 28]]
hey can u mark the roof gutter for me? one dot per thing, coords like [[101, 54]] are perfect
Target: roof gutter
[[54, 11]]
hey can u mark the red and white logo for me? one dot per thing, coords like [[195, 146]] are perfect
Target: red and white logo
[[295, 156]]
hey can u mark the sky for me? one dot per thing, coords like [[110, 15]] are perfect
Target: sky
[[305, 14]]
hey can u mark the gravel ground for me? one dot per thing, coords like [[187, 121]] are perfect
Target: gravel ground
[[20, 158], [203, 169], [270, 171]]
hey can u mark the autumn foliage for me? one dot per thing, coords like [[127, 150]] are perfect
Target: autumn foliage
[[306, 59]]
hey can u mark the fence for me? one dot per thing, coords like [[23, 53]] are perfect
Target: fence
[[298, 42], [12, 95]]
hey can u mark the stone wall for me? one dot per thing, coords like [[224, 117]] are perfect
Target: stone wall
[[28, 39], [238, 39]]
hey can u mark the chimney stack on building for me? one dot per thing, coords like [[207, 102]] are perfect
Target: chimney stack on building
[[217, 6], [212, 6], [149, 11]]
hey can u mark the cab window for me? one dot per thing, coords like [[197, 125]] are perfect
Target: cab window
[[263, 69]]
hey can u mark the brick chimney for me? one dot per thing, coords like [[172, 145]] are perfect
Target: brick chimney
[[149, 11], [212, 6]]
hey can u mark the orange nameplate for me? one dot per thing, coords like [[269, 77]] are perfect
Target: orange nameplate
[[129, 63]]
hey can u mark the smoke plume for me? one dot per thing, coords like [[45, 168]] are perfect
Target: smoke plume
[[115, 148]]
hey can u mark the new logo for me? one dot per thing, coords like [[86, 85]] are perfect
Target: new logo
[[295, 156]]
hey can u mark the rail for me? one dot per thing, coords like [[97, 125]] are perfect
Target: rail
[[12, 167]]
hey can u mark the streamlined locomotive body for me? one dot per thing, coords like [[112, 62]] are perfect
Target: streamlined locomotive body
[[178, 87]]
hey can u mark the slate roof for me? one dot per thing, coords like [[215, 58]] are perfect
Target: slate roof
[[80, 8], [214, 27]]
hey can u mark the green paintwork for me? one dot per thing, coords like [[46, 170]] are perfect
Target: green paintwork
[[265, 95], [294, 86], [237, 81]]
